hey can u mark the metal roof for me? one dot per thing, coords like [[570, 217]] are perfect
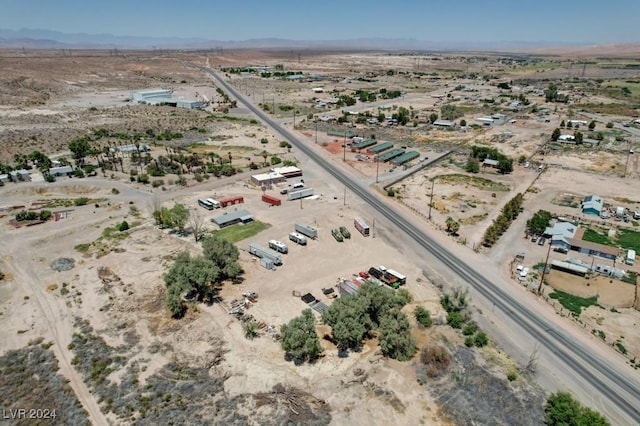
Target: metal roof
[[243, 215], [381, 147], [407, 156], [391, 154]]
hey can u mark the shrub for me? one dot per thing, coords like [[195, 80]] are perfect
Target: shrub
[[143, 178], [481, 339], [455, 320], [45, 215], [423, 316], [123, 226], [470, 329], [436, 360]]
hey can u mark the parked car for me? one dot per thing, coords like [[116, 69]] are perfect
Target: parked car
[[541, 241], [534, 238]]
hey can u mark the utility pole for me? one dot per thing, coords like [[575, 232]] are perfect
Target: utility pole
[[294, 116], [373, 228], [431, 198], [544, 271], [377, 167], [344, 199], [316, 120], [344, 147]]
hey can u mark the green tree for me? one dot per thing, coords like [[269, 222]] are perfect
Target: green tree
[[433, 117], [609, 125], [299, 339], [395, 336], [463, 123], [579, 137], [539, 222], [178, 216], [123, 226], [551, 93], [556, 134], [451, 224], [592, 125], [223, 254], [472, 166], [562, 124], [505, 165], [563, 410], [80, 148]]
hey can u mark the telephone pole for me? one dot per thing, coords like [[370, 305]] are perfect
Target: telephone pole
[[544, 271], [431, 198]]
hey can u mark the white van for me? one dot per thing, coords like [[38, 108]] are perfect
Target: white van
[[298, 185]]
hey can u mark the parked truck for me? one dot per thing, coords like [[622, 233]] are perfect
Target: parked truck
[[265, 253], [307, 230], [300, 193]]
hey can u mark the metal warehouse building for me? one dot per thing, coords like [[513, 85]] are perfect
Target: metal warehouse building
[[379, 148], [364, 144], [164, 96], [232, 218], [389, 155], [406, 157]]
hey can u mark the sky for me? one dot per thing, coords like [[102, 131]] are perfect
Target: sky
[[453, 21]]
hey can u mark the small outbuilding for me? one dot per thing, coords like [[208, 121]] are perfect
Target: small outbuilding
[[592, 204], [231, 218]]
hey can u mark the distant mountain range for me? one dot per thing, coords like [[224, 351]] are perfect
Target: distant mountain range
[[46, 39]]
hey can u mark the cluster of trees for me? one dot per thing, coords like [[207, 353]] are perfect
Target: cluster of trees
[[403, 115], [174, 217], [299, 339], [373, 308], [539, 222], [390, 94], [500, 224], [480, 153], [450, 112], [551, 94], [456, 304], [199, 277], [562, 410], [25, 215]]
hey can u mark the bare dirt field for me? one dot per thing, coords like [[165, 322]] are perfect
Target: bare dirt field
[[106, 318]]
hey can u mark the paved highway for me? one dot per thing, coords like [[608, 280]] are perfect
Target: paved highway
[[617, 390]]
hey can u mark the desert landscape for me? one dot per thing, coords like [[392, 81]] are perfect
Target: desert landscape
[[100, 200]]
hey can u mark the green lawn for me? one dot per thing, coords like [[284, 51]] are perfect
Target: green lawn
[[629, 239], [573, 303], [240, 231], [596, 237]]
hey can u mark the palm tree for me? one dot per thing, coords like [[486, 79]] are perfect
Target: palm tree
[[265, 155]]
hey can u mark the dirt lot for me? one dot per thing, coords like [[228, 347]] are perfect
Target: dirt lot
[[120, 292]]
